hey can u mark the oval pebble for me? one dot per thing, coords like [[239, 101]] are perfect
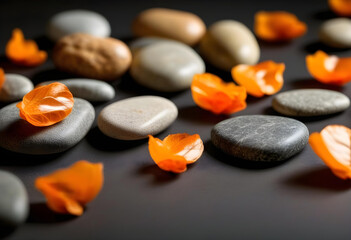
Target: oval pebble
[[77, 21], [14, 204], [310, 102], [15, 87], [18, 135], [166, 66], [137, 117], [260, 138], [336, 33], [228, 43], [140, 43], [182, 26], [88, 89]]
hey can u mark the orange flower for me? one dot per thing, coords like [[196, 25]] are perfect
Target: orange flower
[[333, 146], [263, 78], [176, 151], [46, 105], [341, 7], [278, 26], [69, 190], [329, 69], [24, 52], [211, 93], [2, 77]]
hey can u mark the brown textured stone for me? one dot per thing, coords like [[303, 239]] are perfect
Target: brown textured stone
[[92, 57]]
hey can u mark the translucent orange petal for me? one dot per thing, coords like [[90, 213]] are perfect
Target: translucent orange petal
[[329, 69], [24, 52], [333, 146], [278, 26], [46, 105], [2, 77], [260, 79], [341, 7], [212, 93], [68, 190]]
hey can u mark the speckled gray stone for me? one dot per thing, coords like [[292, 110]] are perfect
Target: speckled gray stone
[[88, 89], [14, 205], [260, 138], [78, 21], [336, 33], [166, 66], [137, 117], [310, 102], [15, 87], [20, 136]]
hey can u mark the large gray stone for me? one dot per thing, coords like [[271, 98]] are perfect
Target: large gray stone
[[15, 87], [310, 102], [260, 138], [336, 33], [20, 136], [14, 205], [140, 43]]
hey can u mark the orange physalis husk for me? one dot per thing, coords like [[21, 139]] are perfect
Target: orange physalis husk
[[24, 52], [341, 7], [329, 69], [260, 79], [278, 26], [2, 77], [68, 190], [333, 146], [212, 93], [176, 151], [46, 105]]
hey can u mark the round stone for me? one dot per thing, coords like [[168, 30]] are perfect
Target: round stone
[[77, 21], [15, 87], [310, 102], [166, 66], [260, 138], [228, 43], [14, 205], [88, 89], [137, 117], [336, 33], [140, 43], [18, 135]]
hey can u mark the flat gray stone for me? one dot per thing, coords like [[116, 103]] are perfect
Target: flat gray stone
[[14, 205], [137, 117], [166, 66], [18, 135], [88, 89], [310, 102], [260, 138], [15, 87], [336, 33], [77, 21]]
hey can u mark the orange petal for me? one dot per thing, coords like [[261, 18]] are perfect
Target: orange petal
[[329, 69], [24, 52], [2, 77], [333, 146], [212, 93], [46, 105], [341, 7], [278, 26], [68, 190], [263, 78]]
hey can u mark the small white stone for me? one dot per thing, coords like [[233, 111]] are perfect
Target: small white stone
[[336, 33], [15, 87]]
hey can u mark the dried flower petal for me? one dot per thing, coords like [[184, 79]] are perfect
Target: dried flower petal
[[329, 69], [341, 7], [176, 151], [333, 146], [69, 190], [212, 93], [2, 77], [46, 105], [24, 52], [278, 26], [260, 79]]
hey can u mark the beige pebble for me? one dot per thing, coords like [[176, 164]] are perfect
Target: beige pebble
[[92, 57], [336, 33], [174, 24], [228, 43]]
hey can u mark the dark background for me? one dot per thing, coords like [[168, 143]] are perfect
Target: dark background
[[219, 197]]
